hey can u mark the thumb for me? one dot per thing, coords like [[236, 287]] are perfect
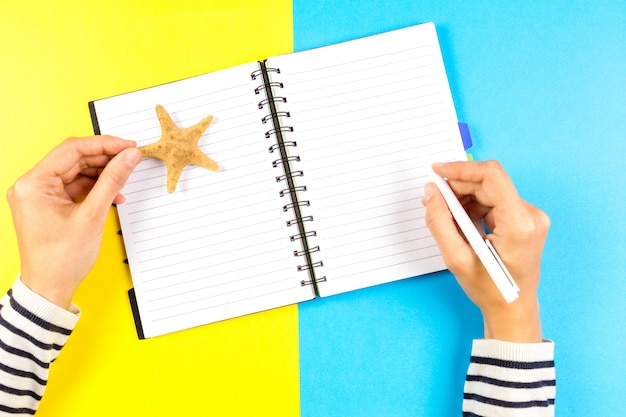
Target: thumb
[[441, 224], [111, 181]]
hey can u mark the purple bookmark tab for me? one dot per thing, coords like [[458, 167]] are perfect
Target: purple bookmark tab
[[465, 135]]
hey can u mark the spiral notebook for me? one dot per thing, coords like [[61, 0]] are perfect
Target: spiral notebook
[[320, 185]]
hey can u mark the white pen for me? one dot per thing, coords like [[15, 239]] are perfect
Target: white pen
[[483, 247]]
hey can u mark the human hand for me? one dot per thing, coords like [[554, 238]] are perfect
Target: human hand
[[59, 208], [518, 233]]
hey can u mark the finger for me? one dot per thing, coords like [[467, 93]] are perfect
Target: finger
[[78, 189], [487, 181], [92, 172], [102, 145], [119, 199], [110, 182], [454, 248], [469, 176], [90, 166], [94, 161], [477, 211], [72, 152]]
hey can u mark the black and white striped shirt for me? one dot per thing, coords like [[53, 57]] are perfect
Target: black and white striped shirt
[[32, 333], [503, 379], [510, 379]]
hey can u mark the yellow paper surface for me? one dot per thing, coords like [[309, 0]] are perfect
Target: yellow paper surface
[[54, 58]]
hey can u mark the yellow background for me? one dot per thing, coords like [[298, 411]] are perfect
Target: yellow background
[[54, 58]]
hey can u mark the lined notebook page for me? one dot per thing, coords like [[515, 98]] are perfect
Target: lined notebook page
[[218, 247], [363, 113]]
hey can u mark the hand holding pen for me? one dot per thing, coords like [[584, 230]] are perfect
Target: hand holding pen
[[518, 233]]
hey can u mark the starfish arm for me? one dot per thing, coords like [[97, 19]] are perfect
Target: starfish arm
[[173, 174], [200, 159], [151, 151], [195, 132], [166, 122]]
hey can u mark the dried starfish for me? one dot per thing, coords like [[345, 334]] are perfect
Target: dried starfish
[[178, 147]]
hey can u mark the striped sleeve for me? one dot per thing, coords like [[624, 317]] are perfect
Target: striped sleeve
[[510, 379], [32, 333]]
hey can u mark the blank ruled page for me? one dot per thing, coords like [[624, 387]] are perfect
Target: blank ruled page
[[218, 247], [363, 113]]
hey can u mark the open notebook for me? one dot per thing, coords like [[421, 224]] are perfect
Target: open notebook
[[320, 185]]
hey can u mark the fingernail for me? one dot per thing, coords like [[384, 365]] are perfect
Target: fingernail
[[428, 192], [132, 157]]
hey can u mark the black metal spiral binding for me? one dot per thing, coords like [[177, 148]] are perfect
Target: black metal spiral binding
[[302, 219], [313, 265], [255, 74], [270, 101], [299, 236], [262, 87], [280, 129], [303, 203], [302, 252], [289, 176], [288, 159], [282, 146], [278, 114], [304, 282], [286, 191], [277, 146]]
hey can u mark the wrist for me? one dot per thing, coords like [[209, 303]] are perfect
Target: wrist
[[42, 308], [55, 294], [516, 322]]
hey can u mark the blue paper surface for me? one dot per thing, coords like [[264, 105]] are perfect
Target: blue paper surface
[[544, 87]]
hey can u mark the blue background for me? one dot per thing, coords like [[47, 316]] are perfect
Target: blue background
[[543, 88]]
